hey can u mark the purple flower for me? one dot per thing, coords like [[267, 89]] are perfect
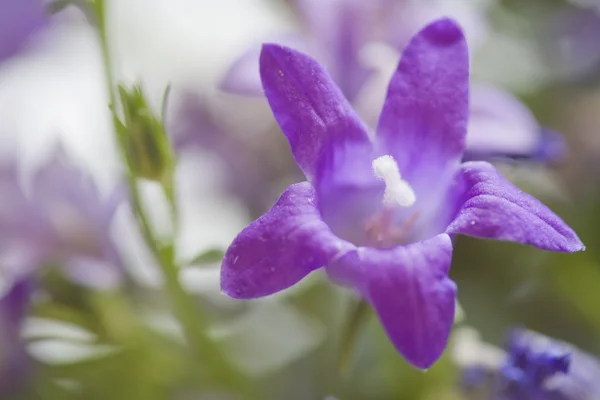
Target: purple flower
[[194, 127], [379, 212], [62, 220], [339, 30], [18, 20], [536, 367], [500, 126]]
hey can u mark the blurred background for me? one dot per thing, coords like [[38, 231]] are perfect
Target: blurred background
[[107, 293]]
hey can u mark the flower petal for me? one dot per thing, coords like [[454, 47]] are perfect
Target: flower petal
[[18, 218], [105, 273], [280, 248], [18, 20], [492, 208], [348, 192], [310, 109], [410, 16], [501, 126], [242, 77], [342, 27], [14, 305], [411, 292], [60, 186], [14, 361], [424, 119]]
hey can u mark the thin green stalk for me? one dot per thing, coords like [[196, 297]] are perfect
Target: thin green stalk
[[192, 319], [356, 320]]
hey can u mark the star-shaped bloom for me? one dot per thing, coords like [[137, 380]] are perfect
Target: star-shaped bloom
[[378, 212], [62, 220]]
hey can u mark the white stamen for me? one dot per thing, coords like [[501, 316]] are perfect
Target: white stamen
[[397, 191]]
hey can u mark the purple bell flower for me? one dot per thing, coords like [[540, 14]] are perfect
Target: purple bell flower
[[378, 212], [18, 20], [61, 221]]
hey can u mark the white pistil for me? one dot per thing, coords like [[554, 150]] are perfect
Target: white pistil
[[397, 191]]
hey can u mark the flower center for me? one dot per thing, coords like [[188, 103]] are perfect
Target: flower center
[[397, 191], [381, 229]]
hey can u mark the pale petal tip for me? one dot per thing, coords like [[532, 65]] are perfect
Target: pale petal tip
[[573, 244]]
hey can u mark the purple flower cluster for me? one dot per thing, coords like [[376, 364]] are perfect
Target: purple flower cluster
[[536, 368], [379, 212]]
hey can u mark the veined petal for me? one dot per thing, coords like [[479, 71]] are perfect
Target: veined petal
[[424, 119], [492, 208], [280, 248], [409, 288], [310, 109]]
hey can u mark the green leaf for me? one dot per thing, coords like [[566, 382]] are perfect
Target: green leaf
[[207, 258]]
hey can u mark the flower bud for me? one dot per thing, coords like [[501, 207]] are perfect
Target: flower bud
[[149, 151]]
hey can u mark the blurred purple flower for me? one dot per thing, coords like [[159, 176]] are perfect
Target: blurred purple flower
[[193, 127], [14, 362], [62, 220], [379, 215], [500, 126], [18, 20], [537, 367], [337, 32]]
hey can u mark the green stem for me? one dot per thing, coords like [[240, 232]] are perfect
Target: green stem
[[193, 321], [357, 319]]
